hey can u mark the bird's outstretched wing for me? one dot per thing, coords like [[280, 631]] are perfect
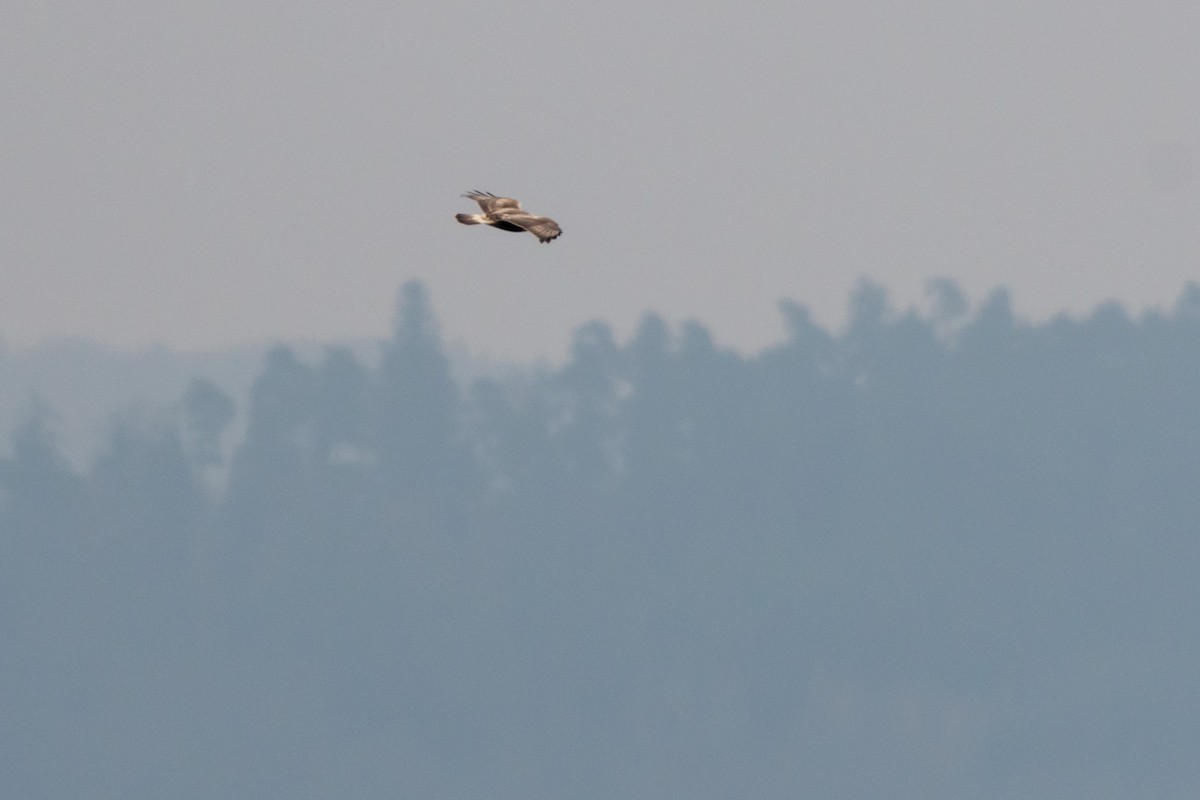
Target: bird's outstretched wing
[[544, 228], [491, 204]]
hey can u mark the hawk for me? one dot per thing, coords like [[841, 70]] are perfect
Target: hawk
[[507, 215]]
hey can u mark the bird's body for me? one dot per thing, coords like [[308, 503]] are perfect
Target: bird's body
[[507, 215]]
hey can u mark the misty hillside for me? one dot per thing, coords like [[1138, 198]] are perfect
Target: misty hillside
[[939, 554], [85, 383]]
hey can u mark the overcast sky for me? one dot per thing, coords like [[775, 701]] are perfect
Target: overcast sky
[[206, 173]]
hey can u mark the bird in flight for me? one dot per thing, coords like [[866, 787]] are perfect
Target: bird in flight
[[507, 215]]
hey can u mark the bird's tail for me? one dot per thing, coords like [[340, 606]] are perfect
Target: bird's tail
[[469, 219]]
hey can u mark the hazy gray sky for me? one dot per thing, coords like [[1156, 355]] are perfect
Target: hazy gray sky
[[201, 174]]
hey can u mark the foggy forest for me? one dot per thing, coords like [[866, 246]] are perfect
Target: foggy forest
[[940, 552]]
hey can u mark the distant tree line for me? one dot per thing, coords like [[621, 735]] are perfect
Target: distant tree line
[[941, 553]]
